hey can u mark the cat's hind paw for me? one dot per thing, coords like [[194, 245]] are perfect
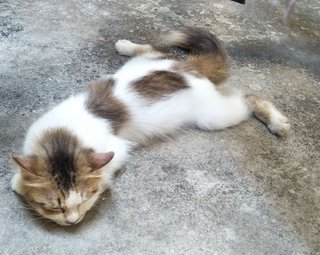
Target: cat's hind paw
[[279, 124]]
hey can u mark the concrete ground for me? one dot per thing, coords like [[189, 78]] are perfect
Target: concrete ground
[[237, 191]]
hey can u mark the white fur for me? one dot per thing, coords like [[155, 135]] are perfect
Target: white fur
[[138, 67], [16, 183], [74, 198]]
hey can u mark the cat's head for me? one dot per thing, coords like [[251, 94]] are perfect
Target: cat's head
[[64, 200], [63, 181]]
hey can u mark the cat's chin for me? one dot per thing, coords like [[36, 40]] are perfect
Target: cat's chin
[[63, 224], [66, 224]]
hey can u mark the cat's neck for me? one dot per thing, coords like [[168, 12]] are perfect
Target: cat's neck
[[71, 115]]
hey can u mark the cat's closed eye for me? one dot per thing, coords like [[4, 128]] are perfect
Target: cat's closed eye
[[54, 209], [48, 207]]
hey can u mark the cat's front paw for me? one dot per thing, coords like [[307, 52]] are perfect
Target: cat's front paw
[[16, 183], [279, 124], [125, 47]]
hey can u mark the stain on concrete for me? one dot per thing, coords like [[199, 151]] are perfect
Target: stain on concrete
[[9, 24]]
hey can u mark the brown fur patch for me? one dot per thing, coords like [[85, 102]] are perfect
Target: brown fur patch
[[260, 108], [159, 84], [214, 67], [208, 55], [101, 102]]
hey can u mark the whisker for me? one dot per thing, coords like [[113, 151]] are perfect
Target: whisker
[[27, 208], [46, 223]]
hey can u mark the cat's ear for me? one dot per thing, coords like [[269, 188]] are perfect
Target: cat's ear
[[27, 164], [99, 160]]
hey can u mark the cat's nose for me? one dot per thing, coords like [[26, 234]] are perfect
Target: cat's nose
[[73, 218], [72, 222]]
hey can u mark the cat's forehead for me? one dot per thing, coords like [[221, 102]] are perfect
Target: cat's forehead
[[61, 156], [73, 199]]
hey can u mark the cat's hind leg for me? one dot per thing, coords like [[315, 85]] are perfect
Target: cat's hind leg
[[217, 111], [128, 48], [267, 113]]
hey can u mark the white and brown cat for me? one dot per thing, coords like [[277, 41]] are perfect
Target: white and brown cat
[[71, 153]]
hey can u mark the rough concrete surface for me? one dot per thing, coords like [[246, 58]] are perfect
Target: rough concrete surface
[[237, 191]]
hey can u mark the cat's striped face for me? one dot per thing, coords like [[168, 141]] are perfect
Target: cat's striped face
[[63, 207], [64, 180]]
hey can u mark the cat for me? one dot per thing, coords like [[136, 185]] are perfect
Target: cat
[[71, 153]]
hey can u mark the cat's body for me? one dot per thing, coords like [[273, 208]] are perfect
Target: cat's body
[[73, 150]]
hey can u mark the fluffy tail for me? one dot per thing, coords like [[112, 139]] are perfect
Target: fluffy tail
[[208, 56]]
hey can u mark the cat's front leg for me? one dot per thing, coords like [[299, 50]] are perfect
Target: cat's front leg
[[128, 48], [16, 183]]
